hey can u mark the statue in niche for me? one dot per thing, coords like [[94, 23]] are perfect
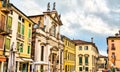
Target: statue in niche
[[54, 6], [48, 7]]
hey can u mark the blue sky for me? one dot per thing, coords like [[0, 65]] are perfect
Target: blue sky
[[82, 19]]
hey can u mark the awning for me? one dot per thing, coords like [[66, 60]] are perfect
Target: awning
[[40, 63], [2, 58], [19, 59], [27, 59]]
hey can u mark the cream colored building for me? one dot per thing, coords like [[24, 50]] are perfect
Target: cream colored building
[[86, 56], [47, 44], [102, 62]]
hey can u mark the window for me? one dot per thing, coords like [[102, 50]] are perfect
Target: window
[[29, 25], [2, 22], [65, 68], [80, 68], [112, 40], [9, 22], [113, 55], [23, 20], [53, 30], [1, 42], [86, 47], [18, 44], [42, 53], [21, 47], [86, 69], [80, 60], [22, 29], [80, 47], [86, 60], [4, 3], [19, 26], [29, 33], [28, 50], [19, 17], [7, 43], [113, 47]]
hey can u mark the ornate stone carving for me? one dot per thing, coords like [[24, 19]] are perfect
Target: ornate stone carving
[[54, 4], [48, 6]]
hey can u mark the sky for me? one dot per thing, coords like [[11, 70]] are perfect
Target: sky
[[82, 19]]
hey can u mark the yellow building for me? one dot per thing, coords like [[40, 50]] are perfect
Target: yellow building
[[113, 43], [19, 40], [69, 55], [86, 56]]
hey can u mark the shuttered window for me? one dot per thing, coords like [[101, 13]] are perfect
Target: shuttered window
[[7, 43], [22, 29], [19, 27], [9, 22], [28, 51]]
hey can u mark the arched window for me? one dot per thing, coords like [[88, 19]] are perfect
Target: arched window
[[53, 30]]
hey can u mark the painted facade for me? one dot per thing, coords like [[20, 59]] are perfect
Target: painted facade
[[113, 43], [47, 43], [102, 62], [86, 56], [3, 32], [69, 55], [18, 42]]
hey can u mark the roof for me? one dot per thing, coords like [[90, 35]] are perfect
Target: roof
[[64, 37], [112, 37], [35, 15], [79, 42], [102, 56]]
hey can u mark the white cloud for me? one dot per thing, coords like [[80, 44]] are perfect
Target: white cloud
[[96, 6], [29, 7], [102, 52]]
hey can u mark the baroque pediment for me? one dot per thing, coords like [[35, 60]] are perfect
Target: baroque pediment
[[55, 17]]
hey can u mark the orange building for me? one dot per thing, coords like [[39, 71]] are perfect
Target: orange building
[[3, 32], [113, 43]]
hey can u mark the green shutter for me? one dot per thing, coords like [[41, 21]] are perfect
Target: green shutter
[[18, 45], [7, 43], [22, 29], [19, 27], [80, 60], [9, 22], [29, 33], [86, 60], [28, 50], [21, 48]]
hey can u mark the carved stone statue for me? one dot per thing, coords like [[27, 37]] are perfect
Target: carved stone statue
[[54, 4], [59, 16], [48, 7]]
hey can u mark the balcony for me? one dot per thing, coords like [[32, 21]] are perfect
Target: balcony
[[113, 48], [5, 7], [5, 10], [20, 37], [5, 32]]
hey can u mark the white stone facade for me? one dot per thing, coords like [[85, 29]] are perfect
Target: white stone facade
[[50, 40]]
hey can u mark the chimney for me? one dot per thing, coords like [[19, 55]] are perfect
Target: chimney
[[116, 34], [92, 39], [119, 32]]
